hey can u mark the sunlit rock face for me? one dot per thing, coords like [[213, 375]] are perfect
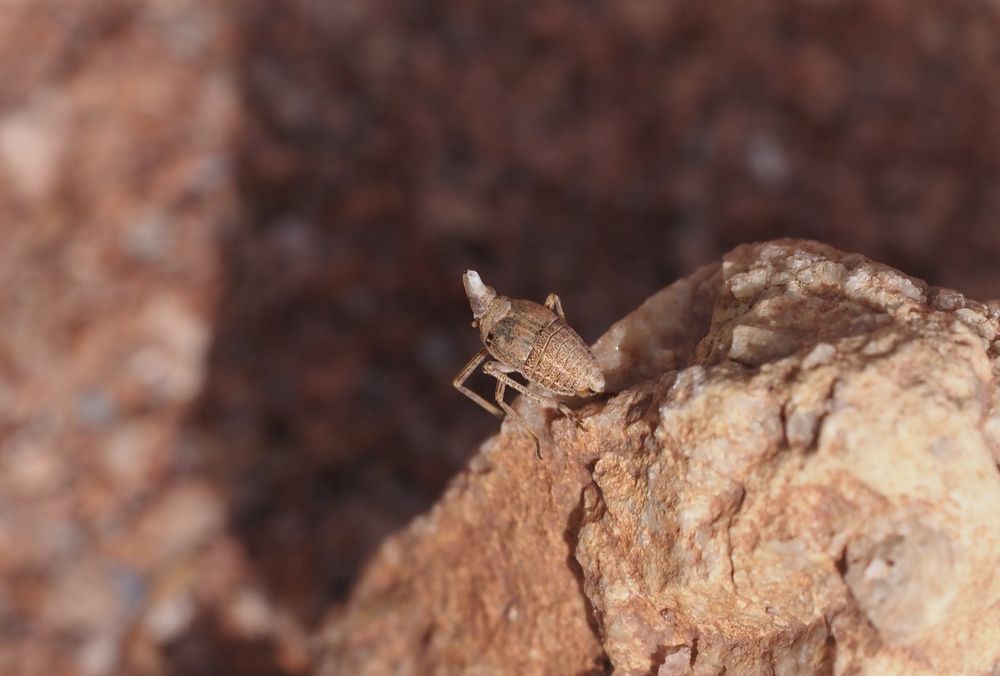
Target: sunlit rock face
[[795, 472]]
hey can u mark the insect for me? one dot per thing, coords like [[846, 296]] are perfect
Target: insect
[[533, 340]]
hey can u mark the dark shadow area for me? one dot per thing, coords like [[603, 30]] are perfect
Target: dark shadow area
[[571, 536], [599, 150], [205, 649]]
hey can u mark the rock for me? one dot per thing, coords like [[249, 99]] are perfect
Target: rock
[[798, 474], [487, 579]]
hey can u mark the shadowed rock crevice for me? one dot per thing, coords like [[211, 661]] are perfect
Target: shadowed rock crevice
[[571, 535], [794, 477]]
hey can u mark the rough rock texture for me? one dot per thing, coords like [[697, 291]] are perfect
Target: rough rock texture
[[798, 474]]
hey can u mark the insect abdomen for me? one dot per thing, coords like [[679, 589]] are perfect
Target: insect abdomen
[[559, 360], [512, 337]]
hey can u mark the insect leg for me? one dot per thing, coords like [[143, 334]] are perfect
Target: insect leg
[[553, 303], [492, 368], [516, 418], [459, 383]]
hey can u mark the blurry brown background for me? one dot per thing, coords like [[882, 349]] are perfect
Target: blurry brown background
[[233, 234]]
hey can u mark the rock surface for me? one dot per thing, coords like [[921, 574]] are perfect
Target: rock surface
[[797, 474]]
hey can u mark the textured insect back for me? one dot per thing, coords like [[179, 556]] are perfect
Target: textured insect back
[[512, 337], [561, 362]]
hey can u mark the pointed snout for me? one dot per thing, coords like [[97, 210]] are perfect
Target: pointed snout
[[480, 295], [473, 282]]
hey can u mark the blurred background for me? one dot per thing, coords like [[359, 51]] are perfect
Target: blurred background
[[233, 234]]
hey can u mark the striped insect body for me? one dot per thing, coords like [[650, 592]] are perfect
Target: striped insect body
[[533, 340]]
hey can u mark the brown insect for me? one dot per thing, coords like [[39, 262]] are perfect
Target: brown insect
[[533, 340]]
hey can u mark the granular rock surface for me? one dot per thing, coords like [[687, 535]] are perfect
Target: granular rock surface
[[796, 473]]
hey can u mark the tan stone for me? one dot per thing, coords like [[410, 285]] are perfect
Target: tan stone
[[798, 474]]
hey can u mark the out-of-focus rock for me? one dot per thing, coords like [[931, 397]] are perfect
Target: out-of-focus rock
[[798, 474], [116, 192], [32, 143]]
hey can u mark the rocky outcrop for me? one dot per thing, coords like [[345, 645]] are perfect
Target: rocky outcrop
[[796, 473]]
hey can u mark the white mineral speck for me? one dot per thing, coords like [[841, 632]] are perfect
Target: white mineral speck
[[169, 618], [99, 655], [748, 284], [949, 299], [251, 613], [32, 144], [821, 354], [748, 341]]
